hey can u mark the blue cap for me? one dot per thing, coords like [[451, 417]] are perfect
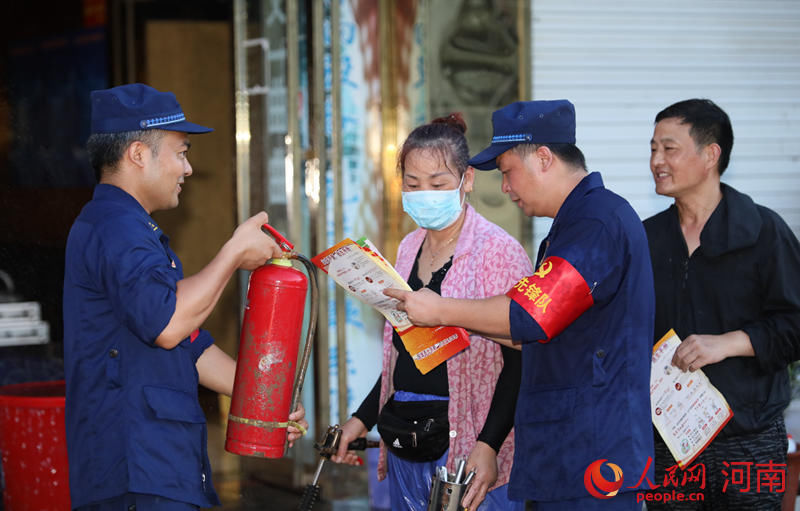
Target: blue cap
[[527, 122], [137, 106]]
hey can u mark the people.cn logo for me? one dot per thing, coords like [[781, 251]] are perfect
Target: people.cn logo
[[597, 485]]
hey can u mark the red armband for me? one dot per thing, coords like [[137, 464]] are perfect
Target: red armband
[[555, 295], [194, 335]]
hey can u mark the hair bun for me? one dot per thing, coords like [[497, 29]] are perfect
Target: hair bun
[[455, 119]]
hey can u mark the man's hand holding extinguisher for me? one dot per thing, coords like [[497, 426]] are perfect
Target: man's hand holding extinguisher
[[196, 296], [253, 247], [248, 249]]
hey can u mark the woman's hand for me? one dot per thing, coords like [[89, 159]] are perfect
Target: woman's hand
[[351, 430], [482, 459]]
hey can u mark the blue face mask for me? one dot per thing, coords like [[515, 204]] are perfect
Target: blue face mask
[[434, 209]]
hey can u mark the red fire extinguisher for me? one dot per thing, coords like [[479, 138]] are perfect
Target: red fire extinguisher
[[266, 366]]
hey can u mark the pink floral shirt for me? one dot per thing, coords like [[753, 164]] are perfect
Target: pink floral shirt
[[487, 261]]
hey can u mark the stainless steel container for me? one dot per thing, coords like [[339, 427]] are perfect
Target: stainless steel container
[[446, 496]]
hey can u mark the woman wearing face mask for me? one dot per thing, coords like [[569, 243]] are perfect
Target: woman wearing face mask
[[471, 398]]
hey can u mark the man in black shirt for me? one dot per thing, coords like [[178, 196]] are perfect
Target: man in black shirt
[[726, 275]]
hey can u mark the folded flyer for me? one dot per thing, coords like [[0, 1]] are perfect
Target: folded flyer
[[687, 410], [364, 273]]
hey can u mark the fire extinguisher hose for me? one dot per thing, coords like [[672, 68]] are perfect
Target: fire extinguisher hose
[[312, 324]]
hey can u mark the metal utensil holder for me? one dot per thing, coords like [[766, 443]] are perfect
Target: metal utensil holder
[[446, 496]]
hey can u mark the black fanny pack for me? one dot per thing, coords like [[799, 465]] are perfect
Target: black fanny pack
[[415, 430]]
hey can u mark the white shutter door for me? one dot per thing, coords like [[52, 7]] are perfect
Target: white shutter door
[[620, 63]]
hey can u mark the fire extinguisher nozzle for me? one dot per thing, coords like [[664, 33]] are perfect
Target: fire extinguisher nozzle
[[310, 495], [285, 244]]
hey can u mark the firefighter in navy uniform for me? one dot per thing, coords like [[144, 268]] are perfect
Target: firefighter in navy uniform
[[584, 319], [133, 350]]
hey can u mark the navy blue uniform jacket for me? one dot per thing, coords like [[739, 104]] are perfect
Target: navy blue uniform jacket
[[134, 423], [585, 394]]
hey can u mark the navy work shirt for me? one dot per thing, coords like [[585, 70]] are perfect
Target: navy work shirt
[[133, 420], [585, 393]]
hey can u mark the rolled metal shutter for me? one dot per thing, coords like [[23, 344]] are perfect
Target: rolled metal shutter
[[620, 63]]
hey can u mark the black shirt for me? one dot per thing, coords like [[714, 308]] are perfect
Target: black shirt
[[744, 276], [408, 378]]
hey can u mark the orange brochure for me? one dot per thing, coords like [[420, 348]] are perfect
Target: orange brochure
[[363, 272], [430, 346]]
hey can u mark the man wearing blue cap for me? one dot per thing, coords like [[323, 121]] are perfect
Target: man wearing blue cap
[[133, 350], [584, 320]]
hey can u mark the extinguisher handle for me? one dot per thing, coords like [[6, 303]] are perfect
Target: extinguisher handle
[[285, 244], [359, 444]]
